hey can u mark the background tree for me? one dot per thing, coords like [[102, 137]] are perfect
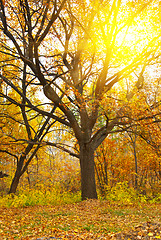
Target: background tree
[[78, 52], [18, 127]]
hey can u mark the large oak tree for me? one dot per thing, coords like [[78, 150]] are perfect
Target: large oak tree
[[77, 52]]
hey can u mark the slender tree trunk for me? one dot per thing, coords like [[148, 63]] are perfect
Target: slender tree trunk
[[88, 184], [28, 178], [21, 167], [101, 186], [18, 173], [15, 182], [136, 164]]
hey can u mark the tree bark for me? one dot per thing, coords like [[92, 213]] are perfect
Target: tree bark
[[88, 184], [136, 167], [19, 169], [15, 182]]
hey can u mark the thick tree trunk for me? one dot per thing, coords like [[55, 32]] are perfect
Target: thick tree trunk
[[88, 184]]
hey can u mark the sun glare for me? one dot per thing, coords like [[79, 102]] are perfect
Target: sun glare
[[132, 33], [136, 36]]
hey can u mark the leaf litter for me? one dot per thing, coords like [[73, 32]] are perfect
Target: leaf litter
[[90, 219]]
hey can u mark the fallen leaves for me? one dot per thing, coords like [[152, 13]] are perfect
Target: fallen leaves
[[147, 231], [91, 219]]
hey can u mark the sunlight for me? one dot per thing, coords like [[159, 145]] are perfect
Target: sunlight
[[126, 35], [136, 36]]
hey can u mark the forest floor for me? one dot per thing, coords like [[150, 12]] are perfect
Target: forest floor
[[91, 219]]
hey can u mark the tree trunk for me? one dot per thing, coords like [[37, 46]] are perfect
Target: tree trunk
[[88, 184], [15, 183], [21, 167], [136, 164]]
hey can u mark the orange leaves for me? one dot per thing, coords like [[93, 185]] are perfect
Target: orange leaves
[[91, 219]]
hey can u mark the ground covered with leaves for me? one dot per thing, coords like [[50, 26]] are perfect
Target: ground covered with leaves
[[91, 219]]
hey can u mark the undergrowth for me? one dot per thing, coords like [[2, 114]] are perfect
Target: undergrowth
[[39, 197], [121, 192], [55, 196]]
